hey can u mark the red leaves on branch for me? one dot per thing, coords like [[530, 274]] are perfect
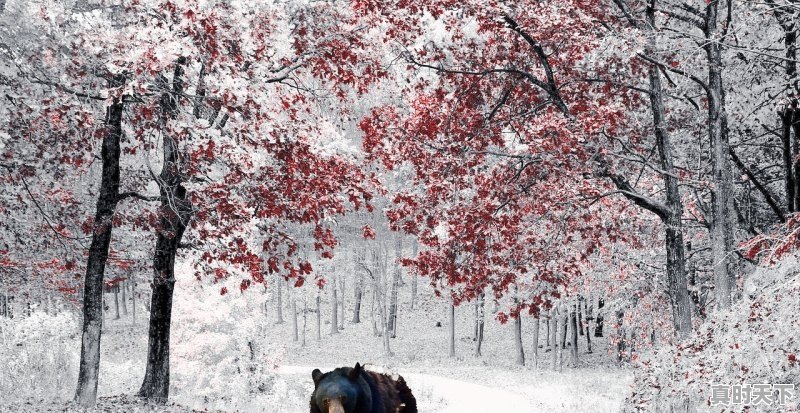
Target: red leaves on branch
[[368, 232], [498, 190]]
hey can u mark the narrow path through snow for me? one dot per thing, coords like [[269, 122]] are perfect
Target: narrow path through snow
[[458, 396]]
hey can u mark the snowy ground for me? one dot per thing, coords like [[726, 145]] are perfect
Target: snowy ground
[[211, 369], [510, 392]]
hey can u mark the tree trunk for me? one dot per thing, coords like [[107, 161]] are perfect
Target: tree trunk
[[479, 323], [395, 285], [722, 227], [671, 211], [372, 304], [385, 326], [278, 301], [620, 336], [133, 300], [294, 320], [413, 276], [125, 298], [547, 332], [305, 317], [598, 326], [795, 116], [319, 319], [535, 353], [554, 347], [787, 118], [175, 213], [564, 317], [341, 304], [359, 293], [589, 317], [452, 330], [562, 338], [574, 335], [334, 310], [86, 392], [116, 302], [676, 261], [520, 359], [784, 14]]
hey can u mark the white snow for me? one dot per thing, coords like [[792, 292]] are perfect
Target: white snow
[[457, 396]]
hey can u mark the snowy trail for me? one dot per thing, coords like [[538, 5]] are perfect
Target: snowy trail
[[458, 396]]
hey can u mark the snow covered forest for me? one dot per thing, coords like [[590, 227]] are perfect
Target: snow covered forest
[[518, 206]]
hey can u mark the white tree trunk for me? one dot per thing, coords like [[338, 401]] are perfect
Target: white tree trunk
[[480, 310], [319, 319], [535, 353], [305, 316], [414, 248], [279, 303], [520, 359], [553, 322], [334, 310], [452, 330], [294, 319]]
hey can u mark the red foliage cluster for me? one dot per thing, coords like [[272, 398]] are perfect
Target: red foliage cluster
[[501, 142]]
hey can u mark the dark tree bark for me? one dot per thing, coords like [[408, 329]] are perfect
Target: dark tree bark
[[588, 314], [86, 392], [392, 327], [795, 117], [175, 213], [787, 118], [784, 14], [722, 227], [564, 320], [359, 294], [765, 192], [598, 325], [671, 210]]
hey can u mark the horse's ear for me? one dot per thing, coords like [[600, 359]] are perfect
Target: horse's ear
[[355, 372], [317, 376]]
